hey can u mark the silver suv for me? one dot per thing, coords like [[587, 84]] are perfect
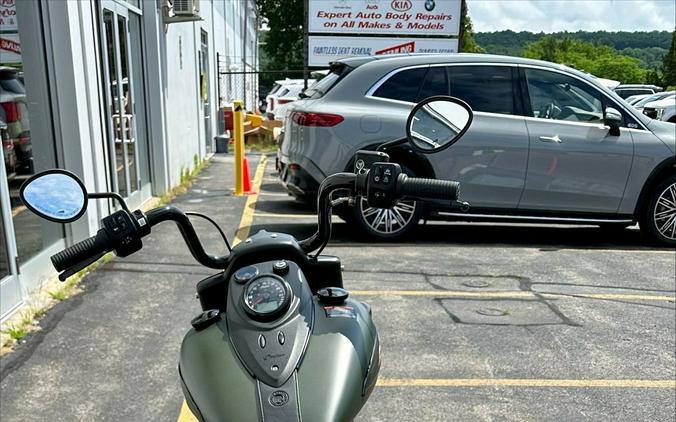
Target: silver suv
[[547, 144]]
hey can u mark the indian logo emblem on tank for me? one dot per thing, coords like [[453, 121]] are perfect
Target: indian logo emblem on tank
[[278, 398]]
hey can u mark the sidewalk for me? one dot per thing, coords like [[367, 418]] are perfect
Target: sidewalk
[[111, 353]]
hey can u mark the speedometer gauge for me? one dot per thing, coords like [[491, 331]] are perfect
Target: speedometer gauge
[[266, 296]]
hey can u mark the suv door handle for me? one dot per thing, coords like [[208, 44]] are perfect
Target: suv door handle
[[554, 139]]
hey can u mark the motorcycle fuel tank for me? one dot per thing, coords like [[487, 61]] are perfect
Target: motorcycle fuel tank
[[278, 353]]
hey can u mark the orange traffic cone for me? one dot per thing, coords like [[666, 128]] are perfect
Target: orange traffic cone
[[245, 175]]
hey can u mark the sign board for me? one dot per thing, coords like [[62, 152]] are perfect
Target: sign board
[[323, 50], [8, 15], [398, 17], [10, 49]]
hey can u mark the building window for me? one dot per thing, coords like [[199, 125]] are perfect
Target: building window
[[24, 111]]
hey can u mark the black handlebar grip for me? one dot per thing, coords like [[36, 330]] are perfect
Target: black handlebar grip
[[81, 251], [428, 188]]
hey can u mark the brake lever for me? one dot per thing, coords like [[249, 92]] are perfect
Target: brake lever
[[69, 272]]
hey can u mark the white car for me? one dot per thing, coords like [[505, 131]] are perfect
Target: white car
[[271, 99], [664, 109], [636, 98], [285, 96], [638, 105]]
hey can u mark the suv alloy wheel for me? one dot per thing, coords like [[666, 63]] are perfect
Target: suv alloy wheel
[[659, 218]]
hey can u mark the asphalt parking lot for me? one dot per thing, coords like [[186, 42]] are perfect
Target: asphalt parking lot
[[478, 322], [508, 322]]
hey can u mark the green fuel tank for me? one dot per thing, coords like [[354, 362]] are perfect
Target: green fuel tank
[[279, 353]]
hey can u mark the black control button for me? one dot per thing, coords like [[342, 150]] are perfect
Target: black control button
[[376, 179], [205, 319], [388, 172], [280, 267], [332, 295], [245, 274], [261, 341], [378, 170], [280, 338], [386, 180]]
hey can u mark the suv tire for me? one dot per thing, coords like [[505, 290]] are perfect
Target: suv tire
[[387, 223], [659, 217]]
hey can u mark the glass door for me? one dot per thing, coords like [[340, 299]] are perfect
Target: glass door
[[123, 75], [10, 287]]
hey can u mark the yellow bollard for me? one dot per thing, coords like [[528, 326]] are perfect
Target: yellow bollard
[[238, 135]]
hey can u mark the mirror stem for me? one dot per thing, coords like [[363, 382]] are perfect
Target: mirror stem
[[110, 195], [390, 144]]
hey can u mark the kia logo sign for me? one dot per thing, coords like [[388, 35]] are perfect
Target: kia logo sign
[[401, 5]]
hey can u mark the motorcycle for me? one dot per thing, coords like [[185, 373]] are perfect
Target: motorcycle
[[279, 338]]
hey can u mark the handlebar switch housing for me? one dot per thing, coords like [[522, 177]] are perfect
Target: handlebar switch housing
[[363, 161], [382, 185], [123, 233]]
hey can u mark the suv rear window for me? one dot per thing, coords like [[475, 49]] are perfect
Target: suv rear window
[[324, 85], [484, 88]]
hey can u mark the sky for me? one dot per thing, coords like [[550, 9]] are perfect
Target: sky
[[572, 15]]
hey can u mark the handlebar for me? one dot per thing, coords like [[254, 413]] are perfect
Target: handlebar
[[80, 255], [427, 188], [82, 251]]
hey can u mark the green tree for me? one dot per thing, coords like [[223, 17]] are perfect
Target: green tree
[[467, 42], [599, 60], [654, 77], [282, 44], [669, 64]]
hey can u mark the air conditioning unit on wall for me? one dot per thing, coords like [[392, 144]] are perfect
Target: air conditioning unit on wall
[[181, 11]]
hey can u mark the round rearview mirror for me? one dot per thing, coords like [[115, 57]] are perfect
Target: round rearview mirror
[[437, 123], [56, 195]]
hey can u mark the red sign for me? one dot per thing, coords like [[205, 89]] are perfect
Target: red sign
[[9, 45], [408, 47]]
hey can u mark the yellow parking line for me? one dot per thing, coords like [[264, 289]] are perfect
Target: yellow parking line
[[507, 382], [18, 210], [508, 295], [250, 206], [186, 415]]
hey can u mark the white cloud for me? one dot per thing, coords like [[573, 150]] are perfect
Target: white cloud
[[572, 15]]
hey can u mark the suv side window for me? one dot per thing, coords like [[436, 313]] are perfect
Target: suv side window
[[485, 88], [435, 83], [402, 86], [560, 97]]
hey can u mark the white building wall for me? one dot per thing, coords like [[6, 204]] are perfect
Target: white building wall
[[182, 96], [224, 24]]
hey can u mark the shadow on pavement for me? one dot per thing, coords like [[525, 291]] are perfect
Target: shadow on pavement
[[484, 234]]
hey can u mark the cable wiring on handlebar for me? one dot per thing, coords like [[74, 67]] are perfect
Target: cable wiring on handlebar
[[209, 219]]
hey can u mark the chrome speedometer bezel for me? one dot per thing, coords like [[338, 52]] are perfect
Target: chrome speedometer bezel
[[271, 315]]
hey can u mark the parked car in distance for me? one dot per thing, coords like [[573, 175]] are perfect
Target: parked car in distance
[[635, 98], [270, 100], [7, 150], [664, 109], [547, 143], [14, 115], [285, 96], [638, 105], [627, 90]]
